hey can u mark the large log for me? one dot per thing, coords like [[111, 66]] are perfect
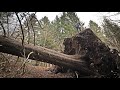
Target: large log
[[14, 47], [86, 53]]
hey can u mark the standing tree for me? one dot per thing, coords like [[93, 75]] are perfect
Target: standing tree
[[97, 30], [6, 21], [112, 32]]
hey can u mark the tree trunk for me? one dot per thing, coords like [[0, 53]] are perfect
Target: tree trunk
[[14, 47], [84, 53]]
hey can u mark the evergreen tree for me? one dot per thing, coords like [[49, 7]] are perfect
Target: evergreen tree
[[98, 31], [112, 32]]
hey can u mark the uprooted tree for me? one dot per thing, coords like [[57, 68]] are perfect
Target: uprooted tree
[[84, 53]]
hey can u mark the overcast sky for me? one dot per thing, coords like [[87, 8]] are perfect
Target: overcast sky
[[84, 16]]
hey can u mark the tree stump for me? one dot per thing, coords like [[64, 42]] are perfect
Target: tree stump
[[99, 58]]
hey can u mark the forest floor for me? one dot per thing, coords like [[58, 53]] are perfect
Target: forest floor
[[43, 72], [15, 70]]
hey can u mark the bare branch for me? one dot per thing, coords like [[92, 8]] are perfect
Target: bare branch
[[33, 32], [3, 28], [7, 23], [32, 29], [15, 27], [28, 28], [21, 27], [37, 20]]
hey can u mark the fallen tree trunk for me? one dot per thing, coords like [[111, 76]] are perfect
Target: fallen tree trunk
[[39, 53], [84, 53]]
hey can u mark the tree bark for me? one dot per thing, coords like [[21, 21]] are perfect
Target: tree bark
[[11, 46]]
